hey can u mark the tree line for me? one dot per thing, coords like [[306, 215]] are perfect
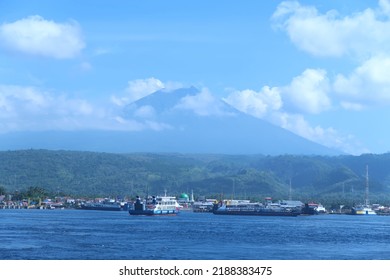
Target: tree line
[[339, 179]]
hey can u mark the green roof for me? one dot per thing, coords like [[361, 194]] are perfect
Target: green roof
[[184, 195]]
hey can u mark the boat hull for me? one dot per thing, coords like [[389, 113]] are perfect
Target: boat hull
[[363, 212], [153, 212], [257, 213]]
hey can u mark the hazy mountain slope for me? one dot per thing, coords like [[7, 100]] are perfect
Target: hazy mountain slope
[[215, 128], [185, 121]]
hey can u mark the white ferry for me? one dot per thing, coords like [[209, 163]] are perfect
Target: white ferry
[[164, 205]]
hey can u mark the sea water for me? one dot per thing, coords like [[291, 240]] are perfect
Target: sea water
[[103, 235]]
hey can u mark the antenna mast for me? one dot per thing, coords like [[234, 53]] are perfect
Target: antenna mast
[[367, 202]]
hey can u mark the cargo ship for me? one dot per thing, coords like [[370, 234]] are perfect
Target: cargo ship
[[246, 208], [104, 206]]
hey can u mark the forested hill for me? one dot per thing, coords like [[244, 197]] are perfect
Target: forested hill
[[104, 174]]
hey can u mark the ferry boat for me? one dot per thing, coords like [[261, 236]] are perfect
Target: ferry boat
[[313, 209], [362, 210], [203, 206], [164, 205], [253, 209]]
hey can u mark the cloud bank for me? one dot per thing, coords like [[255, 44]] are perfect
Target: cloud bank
[[27, 108], [35, 35], [332, 34], [361, 38], [137, 89], [202, 104], [30, 108]]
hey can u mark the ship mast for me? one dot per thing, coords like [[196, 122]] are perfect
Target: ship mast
[[367, 202]]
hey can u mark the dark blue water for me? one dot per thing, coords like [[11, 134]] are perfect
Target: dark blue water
[[94, 235]]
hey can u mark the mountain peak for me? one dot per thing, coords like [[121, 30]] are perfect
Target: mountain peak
[[197, 121], [164, 98]]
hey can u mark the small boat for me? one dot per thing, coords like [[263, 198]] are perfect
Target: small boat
[[164, 205], [246, 208]]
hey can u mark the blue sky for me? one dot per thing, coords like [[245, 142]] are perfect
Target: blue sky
[[317, 68]]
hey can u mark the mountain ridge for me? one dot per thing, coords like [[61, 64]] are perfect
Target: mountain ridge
[[184, 120], [339, 179], [224, 130]]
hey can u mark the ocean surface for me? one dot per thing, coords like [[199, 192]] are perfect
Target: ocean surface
[[100, 235]]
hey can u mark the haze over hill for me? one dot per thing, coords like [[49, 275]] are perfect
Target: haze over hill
[[185, 120]]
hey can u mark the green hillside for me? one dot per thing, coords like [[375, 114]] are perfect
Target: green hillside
[[334, 179]]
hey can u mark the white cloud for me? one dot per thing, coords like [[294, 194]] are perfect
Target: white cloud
[[202, 104], [296, 123], [328, 137], [385, 6], [157, 126], [124, 124], [308, 92], [138, 89], [255, 103], [331, 34], [368, 84], [274, 113], [351, 106], [284, 106], [32, 109], [364, 35], [36, 36], [29, 108], [361, 38], [145, 112], [16, 100]]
